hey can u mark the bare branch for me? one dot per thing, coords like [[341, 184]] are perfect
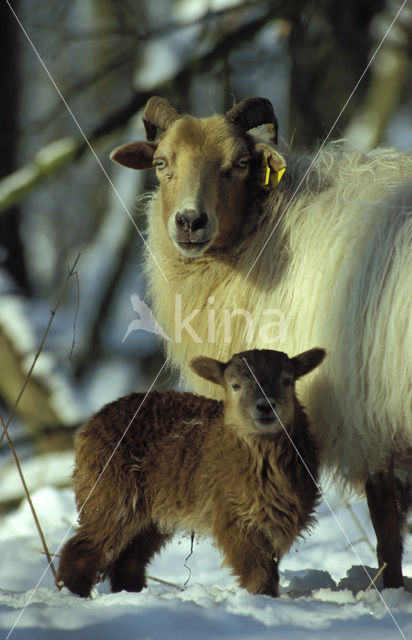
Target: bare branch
[[46, 162], [83, 84], [137, 33]]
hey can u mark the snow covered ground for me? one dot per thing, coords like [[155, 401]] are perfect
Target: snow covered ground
[[318, 599]]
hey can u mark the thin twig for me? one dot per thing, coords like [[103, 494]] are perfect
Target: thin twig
[[71, 273], [192, 537], [356, 521], [76, 313], [169, 584], [26, 491], [383, 567]]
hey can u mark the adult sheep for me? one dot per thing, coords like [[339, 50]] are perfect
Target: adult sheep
[[324, 257]]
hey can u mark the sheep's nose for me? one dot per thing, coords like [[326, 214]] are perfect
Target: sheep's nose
[[191, 219], [265, 405]]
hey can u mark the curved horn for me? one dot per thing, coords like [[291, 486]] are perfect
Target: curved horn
[[158, 113], [253, 112]]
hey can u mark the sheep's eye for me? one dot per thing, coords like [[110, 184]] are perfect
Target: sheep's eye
[[159, 163], [235, 386], [243, 162], [287, 382]]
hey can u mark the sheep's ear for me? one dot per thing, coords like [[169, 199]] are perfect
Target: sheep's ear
[[269, 156], [306, 361], [209, 369], [135, 155]]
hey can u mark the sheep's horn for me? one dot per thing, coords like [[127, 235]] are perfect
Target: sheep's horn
[[253, 112], [158, 114]]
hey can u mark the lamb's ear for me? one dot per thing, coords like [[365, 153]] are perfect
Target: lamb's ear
[[209, 369], [135, 155], [308, 360]]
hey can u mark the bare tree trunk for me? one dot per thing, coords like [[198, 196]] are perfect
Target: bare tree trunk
[[11, 248], [390, 74], [330, 45]]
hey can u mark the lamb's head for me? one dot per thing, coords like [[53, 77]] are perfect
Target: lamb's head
[[205, 168], [259, 386]]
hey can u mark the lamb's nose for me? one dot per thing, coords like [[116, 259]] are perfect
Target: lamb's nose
[[265, 405]]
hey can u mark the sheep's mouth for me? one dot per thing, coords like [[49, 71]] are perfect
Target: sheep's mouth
[[192, 242], [192, 249], [192, 245]]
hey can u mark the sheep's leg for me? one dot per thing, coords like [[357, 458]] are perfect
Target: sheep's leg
[[128, 571], [388, 518], [251, 559]]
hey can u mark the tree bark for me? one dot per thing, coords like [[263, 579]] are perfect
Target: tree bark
[[11, 247], [330, 45]]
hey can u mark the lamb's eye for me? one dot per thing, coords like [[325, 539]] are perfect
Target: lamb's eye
[[235, 386], [287, 382]]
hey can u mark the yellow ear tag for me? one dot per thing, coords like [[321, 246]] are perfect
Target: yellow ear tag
[[276, 177], [265, 175]]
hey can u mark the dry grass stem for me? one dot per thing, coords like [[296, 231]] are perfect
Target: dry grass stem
[[381, 570], [169, 584], [364, 536], [26, 491]]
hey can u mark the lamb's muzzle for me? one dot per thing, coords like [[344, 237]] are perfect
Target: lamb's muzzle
[[264, 413]]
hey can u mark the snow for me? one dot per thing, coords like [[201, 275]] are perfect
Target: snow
[[37, 471], [320, 596]]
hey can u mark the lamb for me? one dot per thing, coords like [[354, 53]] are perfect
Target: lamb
[[243, 470], [322, 257]]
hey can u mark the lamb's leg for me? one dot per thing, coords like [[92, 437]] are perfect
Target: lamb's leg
[[128, 571], [80, 562], [91, 552], [388, 518], [251, 559]]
